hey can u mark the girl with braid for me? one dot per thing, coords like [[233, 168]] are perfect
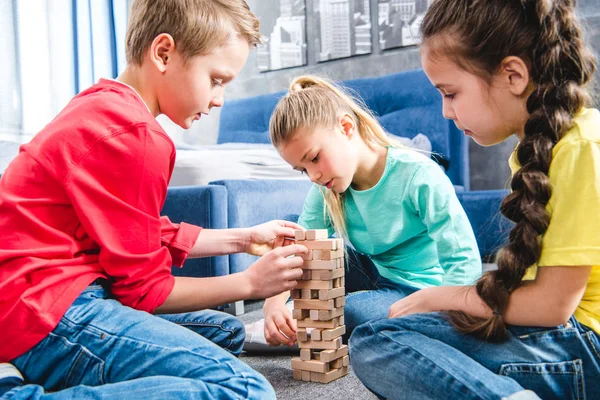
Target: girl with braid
[[530, 328]]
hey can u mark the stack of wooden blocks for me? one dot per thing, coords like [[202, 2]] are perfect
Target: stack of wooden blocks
[[319, 304]]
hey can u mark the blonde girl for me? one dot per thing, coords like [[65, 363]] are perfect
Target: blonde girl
[[530, 328], [395, 206]]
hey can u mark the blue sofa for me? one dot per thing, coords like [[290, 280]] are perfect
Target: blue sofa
[[406, 104]]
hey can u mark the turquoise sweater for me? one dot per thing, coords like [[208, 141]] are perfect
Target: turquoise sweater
[[410, 224]]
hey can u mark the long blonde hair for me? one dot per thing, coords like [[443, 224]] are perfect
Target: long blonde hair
[[313, 102]]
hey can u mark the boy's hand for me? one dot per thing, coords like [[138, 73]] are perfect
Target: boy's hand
[[276, 271], [280, 327], [270, 235]]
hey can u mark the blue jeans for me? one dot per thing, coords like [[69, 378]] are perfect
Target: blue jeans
[[369, 295], [102, 349], [422, 356]]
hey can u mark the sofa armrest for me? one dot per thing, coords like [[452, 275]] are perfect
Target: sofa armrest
[[252, 202], [205, 206], [490, 227]]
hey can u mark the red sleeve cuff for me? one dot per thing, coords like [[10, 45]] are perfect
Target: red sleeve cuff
[[179, 238]]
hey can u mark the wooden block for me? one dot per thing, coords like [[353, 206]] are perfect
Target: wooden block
[[306, 275], [297, 374], [300, 235], [308, 294], [323, 275], [331, 254], [309, 323], [316, 234], [300, 314], [306, 376], [306, 354], [301, 335], [325, 294], [317, 254], [314, 305], [341, 321], [315, 334], [320, 264], [314, 284], [325, 244], [325, 315], [330, 334], [295, 294], [340, 301], [330, 355], [328, 376], [340, 362], [307, 256], [336, 283], [311, 365], [321, 344]]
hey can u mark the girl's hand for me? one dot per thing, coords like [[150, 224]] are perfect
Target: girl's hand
[[418, 302], [280, 327], [270, 235]]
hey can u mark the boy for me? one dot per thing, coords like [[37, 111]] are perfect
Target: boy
[[85, 257]]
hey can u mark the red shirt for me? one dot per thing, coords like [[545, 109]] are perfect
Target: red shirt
[[81, 201]]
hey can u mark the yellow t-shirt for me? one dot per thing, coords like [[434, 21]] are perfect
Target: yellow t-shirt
[[573, 235]]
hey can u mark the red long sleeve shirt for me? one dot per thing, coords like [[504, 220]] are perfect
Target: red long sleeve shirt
[[81, 201]]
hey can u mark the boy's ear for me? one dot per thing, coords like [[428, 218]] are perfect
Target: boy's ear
[[161, 51], [346, 122], [515, 74]]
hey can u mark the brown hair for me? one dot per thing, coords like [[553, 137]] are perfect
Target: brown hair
[[315, 102], [197, 26], [478, 35]]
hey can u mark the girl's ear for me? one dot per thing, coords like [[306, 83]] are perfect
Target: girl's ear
[[347, 125], [161, 51], [515, 74]]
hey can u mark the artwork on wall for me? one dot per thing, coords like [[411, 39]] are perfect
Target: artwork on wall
[[343, 28], [400, 21], [283, 25]]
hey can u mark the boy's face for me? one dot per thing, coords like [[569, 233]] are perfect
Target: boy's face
[[192, 89]]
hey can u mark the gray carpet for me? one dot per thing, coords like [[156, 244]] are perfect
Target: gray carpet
[[276, 367]]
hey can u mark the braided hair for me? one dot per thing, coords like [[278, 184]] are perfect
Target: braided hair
[[478, 35]]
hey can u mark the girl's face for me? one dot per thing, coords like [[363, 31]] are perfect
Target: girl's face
[[489, 112], [327, 155]]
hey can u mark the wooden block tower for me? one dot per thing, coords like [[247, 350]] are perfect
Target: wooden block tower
[[319, 304]]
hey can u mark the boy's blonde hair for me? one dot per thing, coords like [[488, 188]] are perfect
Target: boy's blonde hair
[[314, 102], [197, 26]]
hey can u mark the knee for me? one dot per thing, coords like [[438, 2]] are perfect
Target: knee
[[237, 335], [259, 388], [361, 345]]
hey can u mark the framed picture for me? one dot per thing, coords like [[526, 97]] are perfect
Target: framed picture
[[343, 28], [400, 22], [283, 26]]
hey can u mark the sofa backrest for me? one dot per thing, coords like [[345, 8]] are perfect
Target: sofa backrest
[[405, 103]]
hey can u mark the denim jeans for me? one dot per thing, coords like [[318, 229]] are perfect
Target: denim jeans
[[102, 349], [369, 295], [422, 356]]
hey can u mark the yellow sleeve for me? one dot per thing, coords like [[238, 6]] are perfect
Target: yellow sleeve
[[573, 236]]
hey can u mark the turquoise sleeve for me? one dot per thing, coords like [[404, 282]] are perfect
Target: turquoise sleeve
[[434, 200]]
